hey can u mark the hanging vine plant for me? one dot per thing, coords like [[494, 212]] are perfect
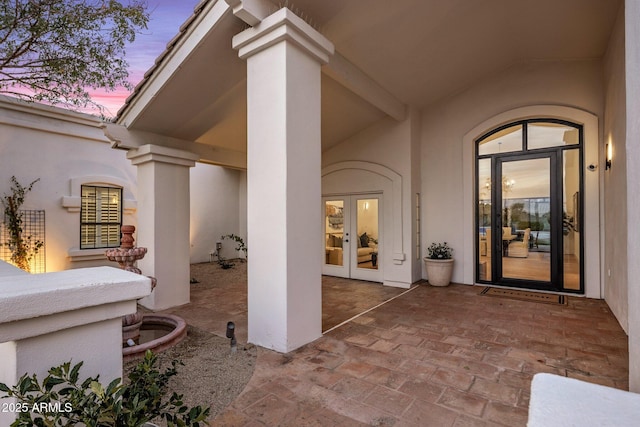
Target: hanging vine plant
[[23, 247], [240, 245]]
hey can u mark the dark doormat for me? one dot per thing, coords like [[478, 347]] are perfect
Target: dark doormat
[[525, 295]]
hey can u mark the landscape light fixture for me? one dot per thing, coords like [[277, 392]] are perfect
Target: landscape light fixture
[[231, 334]]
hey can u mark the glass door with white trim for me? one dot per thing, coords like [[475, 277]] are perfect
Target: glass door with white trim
[[352, 231], [336, 240]]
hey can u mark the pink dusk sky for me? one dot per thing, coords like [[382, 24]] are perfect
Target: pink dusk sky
[[165, 19]]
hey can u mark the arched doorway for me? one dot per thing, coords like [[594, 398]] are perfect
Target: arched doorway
[[363, 182], [529, 209]]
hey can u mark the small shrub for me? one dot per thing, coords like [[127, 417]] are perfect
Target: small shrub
[[62, 401], [224, 264], [240, 245]]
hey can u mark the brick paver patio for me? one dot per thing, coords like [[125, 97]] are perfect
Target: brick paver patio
[[430, 357]]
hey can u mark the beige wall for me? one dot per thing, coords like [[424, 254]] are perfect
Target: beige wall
[[417, 215], [615, 184], [216, 198], [446, 196], [632, 84], [390, 144], [57, 146], [63, 148]]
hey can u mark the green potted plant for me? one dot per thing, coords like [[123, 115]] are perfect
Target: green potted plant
[[439, 264]]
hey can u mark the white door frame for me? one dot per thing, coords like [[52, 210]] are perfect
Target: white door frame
[[349, 267], [330, 252]]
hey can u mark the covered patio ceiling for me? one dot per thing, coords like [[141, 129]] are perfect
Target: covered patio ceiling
[[392, 55]]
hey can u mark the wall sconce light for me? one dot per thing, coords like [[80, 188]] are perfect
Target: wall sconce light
[[609, 156]]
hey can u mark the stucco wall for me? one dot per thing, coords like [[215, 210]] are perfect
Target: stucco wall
[[444, 125], [632, 83], [216, 197], [57, 146], [419, 250], [65, 149], [615, 184], [387, 143]]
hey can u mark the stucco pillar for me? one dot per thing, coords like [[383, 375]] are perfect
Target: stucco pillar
[[632, 72], [163, 221], [284, 55]]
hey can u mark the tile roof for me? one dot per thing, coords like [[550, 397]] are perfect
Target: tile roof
[[169, 47]]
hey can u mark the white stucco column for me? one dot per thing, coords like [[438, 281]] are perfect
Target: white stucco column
[[163, 221], [632, 73], [284, 55]]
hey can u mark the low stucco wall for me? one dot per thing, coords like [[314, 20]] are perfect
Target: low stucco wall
[[52, 318], [560, 402]]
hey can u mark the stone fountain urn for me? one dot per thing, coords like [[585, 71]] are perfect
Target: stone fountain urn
[[126, 256]]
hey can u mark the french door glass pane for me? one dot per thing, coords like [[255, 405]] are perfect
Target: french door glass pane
[[367, 233], [334, 232], [526, 215], [484, 219]]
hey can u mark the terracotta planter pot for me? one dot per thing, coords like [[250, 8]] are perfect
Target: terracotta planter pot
[[439, 271]]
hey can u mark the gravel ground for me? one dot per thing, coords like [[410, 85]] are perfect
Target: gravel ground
[[211, 374]]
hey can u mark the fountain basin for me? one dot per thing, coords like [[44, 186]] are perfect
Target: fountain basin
[[172, 329]]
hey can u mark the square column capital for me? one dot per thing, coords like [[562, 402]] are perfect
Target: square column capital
[[283, 25], [157, 153]]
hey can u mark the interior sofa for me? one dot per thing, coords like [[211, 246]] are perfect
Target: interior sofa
[[365, 248], [334, 244]]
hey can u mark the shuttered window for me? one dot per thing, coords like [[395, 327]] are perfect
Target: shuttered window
[[100, 217]]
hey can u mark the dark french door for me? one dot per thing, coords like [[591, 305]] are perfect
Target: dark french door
[[529, 209]]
